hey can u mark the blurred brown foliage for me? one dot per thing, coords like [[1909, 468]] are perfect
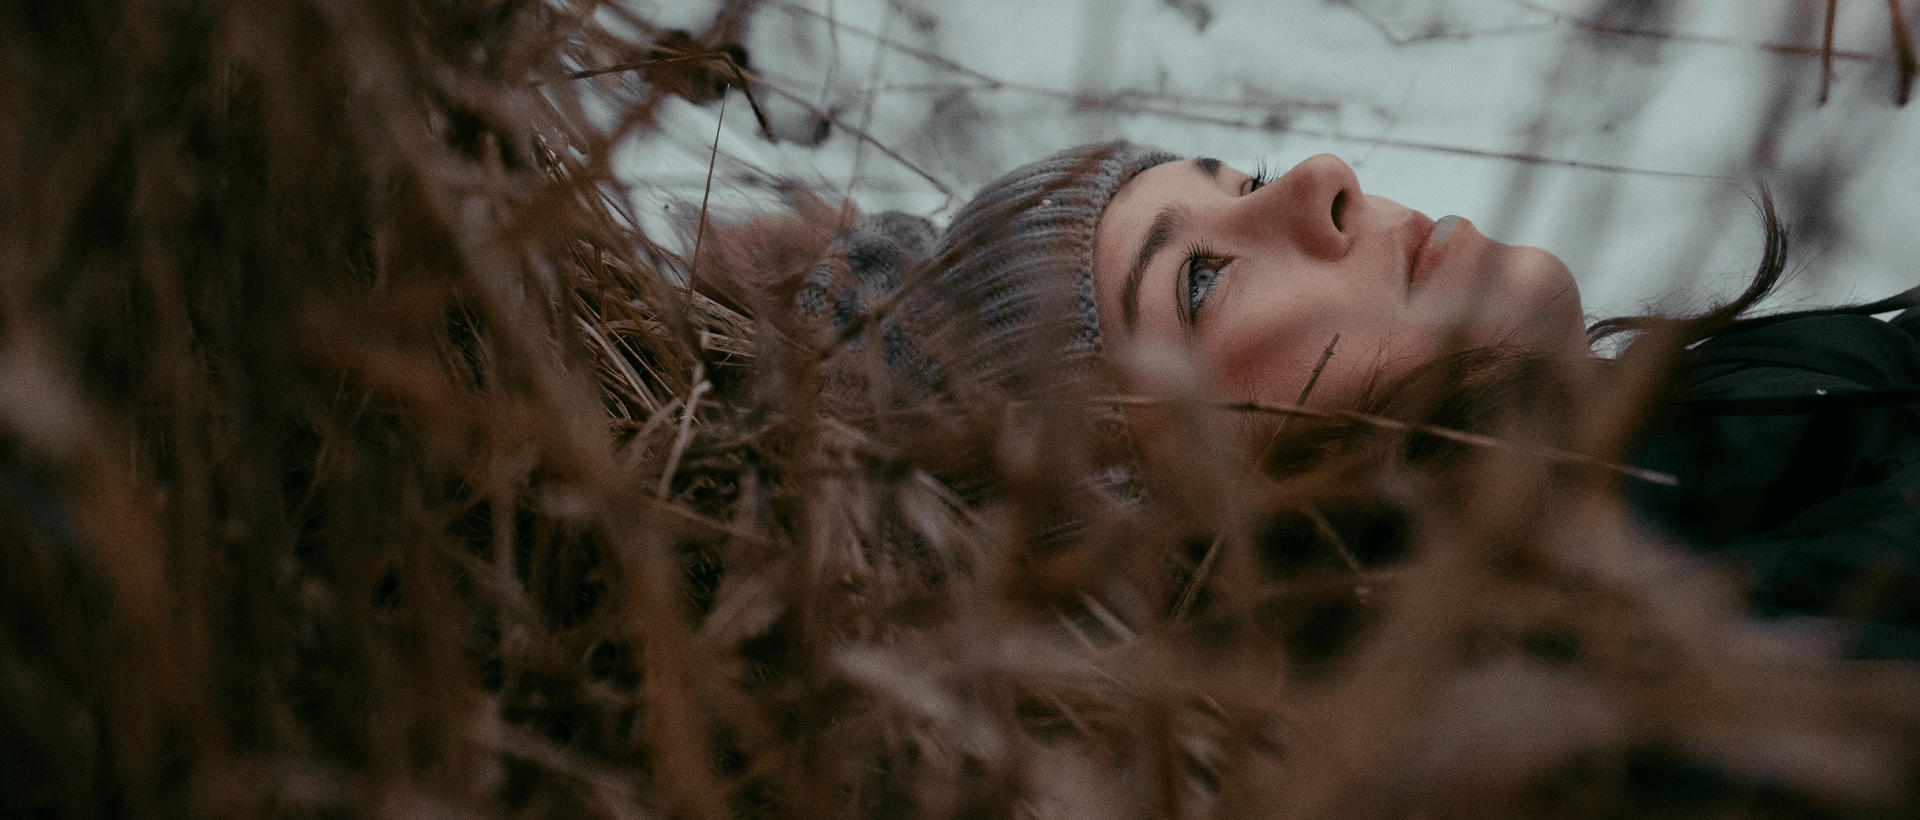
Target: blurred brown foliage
[[359, 457]]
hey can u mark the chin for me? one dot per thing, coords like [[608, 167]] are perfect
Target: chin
[[1543, 307]]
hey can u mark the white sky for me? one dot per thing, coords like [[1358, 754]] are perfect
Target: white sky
[[1649, 144]]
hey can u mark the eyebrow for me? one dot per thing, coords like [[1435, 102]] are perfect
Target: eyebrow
[[1167, 225], [1209, 165]]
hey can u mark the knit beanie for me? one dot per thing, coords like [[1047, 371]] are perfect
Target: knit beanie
[[1010, 295], [1000, 307]]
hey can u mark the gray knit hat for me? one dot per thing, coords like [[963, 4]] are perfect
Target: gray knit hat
[[1014, 271]]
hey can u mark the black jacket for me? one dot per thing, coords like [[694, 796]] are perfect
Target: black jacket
[[1798, 455]]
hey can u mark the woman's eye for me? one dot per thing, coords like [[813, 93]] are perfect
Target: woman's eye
[[1259, 178], [1203, 272]]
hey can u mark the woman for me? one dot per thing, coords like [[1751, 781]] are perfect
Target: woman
[[1147, 242], [1256, 275], [1788, 446]]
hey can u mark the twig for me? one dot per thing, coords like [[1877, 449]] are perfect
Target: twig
[[686, 433], [1320, 522], [654, 420], [1384, 423], [833, 49], [699, 233], [1398, 41], [1903, 52], [1317, 367], [1307, 390], [834, 26], [1107, 619], [1528, 159], [680, 512], [1067, 711], [747, 79], [1192, 592], [766, 128], [862, 134], [866, 109], [1073, 629], [1121, 102], [1826, 50], [634, 65], [1681, 37]]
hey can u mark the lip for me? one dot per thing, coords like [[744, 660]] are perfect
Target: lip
[[1416, 230], [1431, 251]]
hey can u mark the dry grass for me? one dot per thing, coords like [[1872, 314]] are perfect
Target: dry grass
[[357, 457]]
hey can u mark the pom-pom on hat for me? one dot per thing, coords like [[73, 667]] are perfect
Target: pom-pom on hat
[[1014, 271]]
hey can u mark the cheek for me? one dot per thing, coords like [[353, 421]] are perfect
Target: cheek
[[1272, 361]]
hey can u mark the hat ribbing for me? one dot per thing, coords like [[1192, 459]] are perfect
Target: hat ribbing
[[1017, 262]]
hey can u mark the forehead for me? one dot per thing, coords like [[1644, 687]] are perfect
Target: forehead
[[1122, 227], [1136, 203]]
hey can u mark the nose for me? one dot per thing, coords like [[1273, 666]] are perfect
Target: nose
[[1310, 204]]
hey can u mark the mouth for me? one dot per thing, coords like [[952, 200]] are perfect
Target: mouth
[[1430, 250], [1416, 230]]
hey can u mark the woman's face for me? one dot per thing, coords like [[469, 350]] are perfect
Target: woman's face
[[1255, 279]]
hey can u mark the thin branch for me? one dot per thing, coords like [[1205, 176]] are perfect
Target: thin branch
[[700, 232], [1320, 522], [686, 435], [1450, 434], [1200, 573], [834, 26], [1903, 52], [1697, 39], [1317, 368], [863, 135], [766, 128], [1510, 156], [866, 109], [635, 65], [833, 51], [1398, 41], [1826, 50], [1307, 390], [1126, 102], [1105, 616]]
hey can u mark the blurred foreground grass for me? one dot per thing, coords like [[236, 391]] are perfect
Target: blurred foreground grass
[[359, 457]]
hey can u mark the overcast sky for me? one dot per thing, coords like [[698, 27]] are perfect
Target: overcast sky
[[1627, 137]]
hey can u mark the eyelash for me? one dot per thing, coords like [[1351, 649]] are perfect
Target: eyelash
[[1261, 176], [1193, 292], [1200, 259]]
